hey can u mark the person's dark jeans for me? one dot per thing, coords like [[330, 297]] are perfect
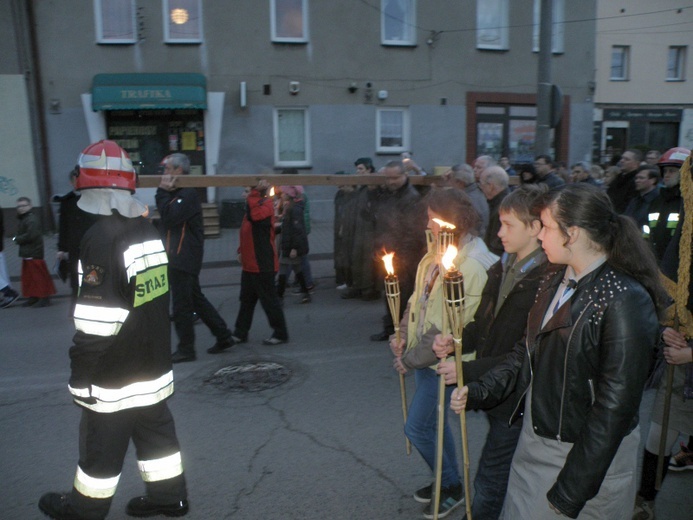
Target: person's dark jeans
[[491, 480], [254, 287], [188, 299]]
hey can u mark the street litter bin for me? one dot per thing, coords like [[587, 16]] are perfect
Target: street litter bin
[[232, 211]]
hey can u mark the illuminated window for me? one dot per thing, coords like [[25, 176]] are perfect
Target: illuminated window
[[291, 137], [115, 21], [398, 22], [392, 130], [289, 20], [182, 21]]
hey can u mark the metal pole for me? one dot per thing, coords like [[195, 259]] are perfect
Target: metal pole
[[542, 144]]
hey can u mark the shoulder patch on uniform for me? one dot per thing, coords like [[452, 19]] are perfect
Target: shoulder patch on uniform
[[93, 275]]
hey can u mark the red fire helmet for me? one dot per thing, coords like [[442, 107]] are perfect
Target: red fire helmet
[[105, 165], [673, 157]]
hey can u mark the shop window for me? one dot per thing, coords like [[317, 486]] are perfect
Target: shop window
[[675, 62], [392, 130], [291, 137], [620, 56], [398, 22], [115, 21], [182, 21], [289, 21], [508, 131], [150, 135], [492, 24], [557, 26]]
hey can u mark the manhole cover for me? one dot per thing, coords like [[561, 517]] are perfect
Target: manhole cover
[[250, 377]]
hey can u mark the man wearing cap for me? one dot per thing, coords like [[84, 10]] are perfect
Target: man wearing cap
[[121, 372], [181, 217]]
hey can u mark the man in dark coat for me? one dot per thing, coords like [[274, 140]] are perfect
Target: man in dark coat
[[181, 218], [400, 223]]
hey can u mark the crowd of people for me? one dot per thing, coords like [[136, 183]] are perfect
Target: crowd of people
[[564, 312]]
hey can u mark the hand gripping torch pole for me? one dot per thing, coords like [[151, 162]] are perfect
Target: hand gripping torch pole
[[393, 302], [453, 285]]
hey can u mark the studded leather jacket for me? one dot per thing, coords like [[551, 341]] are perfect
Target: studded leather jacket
[[587, 368]]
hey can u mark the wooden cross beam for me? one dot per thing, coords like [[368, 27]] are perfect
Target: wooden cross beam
[[218, 181]]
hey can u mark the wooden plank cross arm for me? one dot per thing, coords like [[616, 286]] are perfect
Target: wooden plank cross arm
[[205, 181]]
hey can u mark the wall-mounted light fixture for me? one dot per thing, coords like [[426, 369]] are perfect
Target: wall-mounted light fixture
[[179, 16], [352, 87], [294, 87]]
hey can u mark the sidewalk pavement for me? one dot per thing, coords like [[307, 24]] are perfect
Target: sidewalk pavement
[[219, 251]]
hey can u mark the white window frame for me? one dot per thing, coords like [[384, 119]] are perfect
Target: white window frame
[[625, 53], [409, 22], [679, 73], [306, 138], [406, 130], [492, 24], [289, 39], [167, 22], [98, 20], [557, 27]]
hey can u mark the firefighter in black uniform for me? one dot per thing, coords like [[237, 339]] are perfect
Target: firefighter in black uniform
[[121, 362]]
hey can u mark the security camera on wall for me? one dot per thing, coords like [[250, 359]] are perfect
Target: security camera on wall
[[294, 87]]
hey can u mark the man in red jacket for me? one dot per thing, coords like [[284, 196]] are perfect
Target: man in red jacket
[[259, 262]]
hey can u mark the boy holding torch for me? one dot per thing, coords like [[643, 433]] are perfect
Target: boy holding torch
[[498, 324]]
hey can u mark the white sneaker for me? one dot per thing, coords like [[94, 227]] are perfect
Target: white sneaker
[[341, 287]]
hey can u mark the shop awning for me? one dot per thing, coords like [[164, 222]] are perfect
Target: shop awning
[[148, 91]]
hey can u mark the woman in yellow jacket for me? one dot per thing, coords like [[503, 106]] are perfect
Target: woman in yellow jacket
[[422, 320]]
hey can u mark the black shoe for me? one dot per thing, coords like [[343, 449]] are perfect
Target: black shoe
[[57, 506], [143, 506], [311, 290], [380, 336], [43, 302], [306, 298], [450, 499], [8, 300], [238, 340], [179, 357], [423, 495], [351, 294], [221, 346], [273, 341], [31, 301]]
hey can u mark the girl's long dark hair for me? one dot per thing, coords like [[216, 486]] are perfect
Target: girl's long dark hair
[[587, 207]]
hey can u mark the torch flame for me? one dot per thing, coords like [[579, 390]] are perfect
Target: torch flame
[[443, 224], [449, 257], [271, 191], [387, 260]]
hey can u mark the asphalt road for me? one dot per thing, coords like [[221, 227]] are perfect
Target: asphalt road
[[326, 444]]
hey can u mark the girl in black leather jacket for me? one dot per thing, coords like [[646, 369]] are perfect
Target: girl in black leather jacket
[[580, 371]]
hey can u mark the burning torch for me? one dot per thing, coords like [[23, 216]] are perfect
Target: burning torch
[[393, 302], [453, 285]]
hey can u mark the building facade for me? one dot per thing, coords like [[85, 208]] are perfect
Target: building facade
[[261, 85], [643, 95]]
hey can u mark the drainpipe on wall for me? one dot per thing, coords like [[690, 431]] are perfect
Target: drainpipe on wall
[[27, 48]]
